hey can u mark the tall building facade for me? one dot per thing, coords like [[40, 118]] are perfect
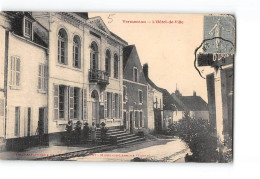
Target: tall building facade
[[135, 94], [61, 67]]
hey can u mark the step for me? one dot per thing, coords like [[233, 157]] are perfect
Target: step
[[130, 141], [126, 139]]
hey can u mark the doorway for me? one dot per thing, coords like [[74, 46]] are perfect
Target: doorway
[[131, 122], [95, 107]]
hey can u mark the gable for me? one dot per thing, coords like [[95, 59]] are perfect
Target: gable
[[131, 60], [99, 23]]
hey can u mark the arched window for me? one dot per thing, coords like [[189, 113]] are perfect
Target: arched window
[[108, 63], [76, 51], [116, 66], [62, 46], [94, 56]]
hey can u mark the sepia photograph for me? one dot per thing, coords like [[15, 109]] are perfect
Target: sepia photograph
[[117, 87]]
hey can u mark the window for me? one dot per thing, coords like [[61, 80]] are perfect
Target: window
[[76, 52], [94, 56], [141, 119], [15, 71], [108, 63], [124, 93], [61, 102], [115, 66], [140, 96], [27, 28], [17, 122], [135, 77], [42, 77], [62, 47]]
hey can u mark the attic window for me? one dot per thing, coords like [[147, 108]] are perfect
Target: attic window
[[27, 28]]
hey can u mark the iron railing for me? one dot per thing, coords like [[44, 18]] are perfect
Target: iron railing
[[98, 76]]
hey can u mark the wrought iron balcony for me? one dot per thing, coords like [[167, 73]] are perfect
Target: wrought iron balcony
[[98, 76]]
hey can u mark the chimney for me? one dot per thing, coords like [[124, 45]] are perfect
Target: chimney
[[194, 93], [145, 69]]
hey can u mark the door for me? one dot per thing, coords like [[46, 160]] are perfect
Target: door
[[158, 120], [41, 122], [95, 111], [29, 122], [131, 122]]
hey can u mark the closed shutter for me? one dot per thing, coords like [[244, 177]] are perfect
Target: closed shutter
[[113, 105], [25, 121], [18, 67], [105, 105], [85, 116], [71, 102], [12, 81], [40, 77], [120, 106], [45, 78], [56, 102], [46, 121]]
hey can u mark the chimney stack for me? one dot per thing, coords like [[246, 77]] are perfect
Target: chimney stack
[[145, 69], [194, 93]]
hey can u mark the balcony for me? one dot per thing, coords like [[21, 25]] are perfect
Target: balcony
[[98, 76]]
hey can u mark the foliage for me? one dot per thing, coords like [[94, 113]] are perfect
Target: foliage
[[199, 136]]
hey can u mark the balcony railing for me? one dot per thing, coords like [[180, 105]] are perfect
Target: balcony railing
[[98, 76]]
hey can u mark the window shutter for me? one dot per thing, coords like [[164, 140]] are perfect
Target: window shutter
[[113, 105], [45, 78], [56, 102], [12, 81], [85, 116], [18, 67], [105, 105], [39, 77], [71, 102], [120, 106]]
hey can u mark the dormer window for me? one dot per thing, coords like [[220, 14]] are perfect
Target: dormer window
[[27, 28]]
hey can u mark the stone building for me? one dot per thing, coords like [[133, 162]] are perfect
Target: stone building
[[24, 60], [135, 99], [193, 105], [61, 67], [155, 103]]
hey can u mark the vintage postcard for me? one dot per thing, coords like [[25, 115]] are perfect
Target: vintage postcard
[[123, 87]]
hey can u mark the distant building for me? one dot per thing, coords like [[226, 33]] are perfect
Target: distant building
[[135, 111], [194, 105], [155, 103]]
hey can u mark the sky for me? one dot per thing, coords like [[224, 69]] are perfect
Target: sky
[[167, 48]]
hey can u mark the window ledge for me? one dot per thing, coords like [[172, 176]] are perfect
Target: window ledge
[[15, 87], [69, 67], [42, 91]]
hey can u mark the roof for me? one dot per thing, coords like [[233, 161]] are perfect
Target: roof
[[194, 103], [84, 15], [119, 38], [169, 103], [150, 82], [126, 53]]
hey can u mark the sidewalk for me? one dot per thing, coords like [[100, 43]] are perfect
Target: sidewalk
[[43, 151]]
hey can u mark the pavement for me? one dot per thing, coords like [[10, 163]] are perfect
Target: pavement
[[160, 150]]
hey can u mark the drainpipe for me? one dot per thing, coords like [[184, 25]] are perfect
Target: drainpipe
[[6, 75]]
